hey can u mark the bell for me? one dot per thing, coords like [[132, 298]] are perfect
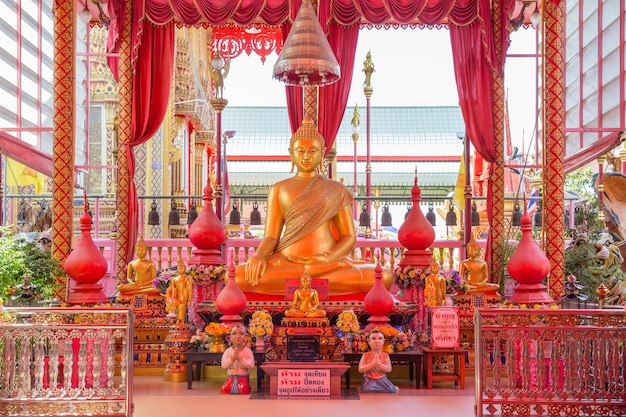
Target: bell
[[451, 217], [538, 219], [408, 211], [364, 219], [385, 219], [255, 215], [174, 217], [22, 217], [192, 214], [517, 215], [430, 216], [475, 215], [153, 216], [235, 214]]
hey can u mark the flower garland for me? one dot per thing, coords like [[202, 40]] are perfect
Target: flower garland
[[409, 275], [162, 280], [348, 322], [454, 283], [207, 274], [261, 324]]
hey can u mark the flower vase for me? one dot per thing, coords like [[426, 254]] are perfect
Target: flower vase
[[259, 342], [388, 346], [217, 343]]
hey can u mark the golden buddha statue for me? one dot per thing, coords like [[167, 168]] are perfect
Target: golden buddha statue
[[316, 215], [474, 271], [305, 300], [435, 287], [140, 274], [183, 292]]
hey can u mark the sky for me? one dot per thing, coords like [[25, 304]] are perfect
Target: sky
[[413, 67]]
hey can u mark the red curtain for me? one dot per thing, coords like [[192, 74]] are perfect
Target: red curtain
[[333, 98], [152, 81]]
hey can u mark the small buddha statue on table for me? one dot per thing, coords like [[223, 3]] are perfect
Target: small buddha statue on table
[[140, 274], [474, 272], [435, 288], [308, 222], [305, 300], [183, 289]]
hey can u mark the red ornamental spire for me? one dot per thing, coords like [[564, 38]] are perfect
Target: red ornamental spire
[[86, 266], [529, 266], [231, 301], [378, 302], [207, 233], [416, 233]]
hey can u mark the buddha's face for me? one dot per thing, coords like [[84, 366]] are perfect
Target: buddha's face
[[306, 154], [473, 251], [305, 282], [181, 269], [434, 268], [141, 251]]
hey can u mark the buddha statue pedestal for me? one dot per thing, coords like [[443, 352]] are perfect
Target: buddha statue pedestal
[[305, 339], [466, 303], [306, 350], [152, 327]]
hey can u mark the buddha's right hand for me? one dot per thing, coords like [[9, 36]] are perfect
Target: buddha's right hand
[[255, 268]]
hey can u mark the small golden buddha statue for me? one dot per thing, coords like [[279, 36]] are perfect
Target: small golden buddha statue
[[435, 287], [474, 271], [183, 289], [140, 274], [309, 222], [305, 300]]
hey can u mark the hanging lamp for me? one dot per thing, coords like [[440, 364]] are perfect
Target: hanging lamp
[[306, 57]]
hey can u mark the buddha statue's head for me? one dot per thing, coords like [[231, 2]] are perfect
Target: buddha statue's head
[[473, 250], [306, 133], [140, 248], [181, 267]]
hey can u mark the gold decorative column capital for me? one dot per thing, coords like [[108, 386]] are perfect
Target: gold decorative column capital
[[218, 104]]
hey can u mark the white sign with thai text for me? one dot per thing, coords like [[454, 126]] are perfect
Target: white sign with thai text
[[445, 327], [304, 382]]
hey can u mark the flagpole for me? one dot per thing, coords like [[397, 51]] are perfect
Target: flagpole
[[468, 194]]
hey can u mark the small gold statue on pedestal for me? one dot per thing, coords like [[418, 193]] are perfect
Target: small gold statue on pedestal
[[305, 300], [474, 271], [140, 274]]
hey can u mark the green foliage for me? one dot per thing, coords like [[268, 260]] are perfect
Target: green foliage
[[581, 182], [19, 258]]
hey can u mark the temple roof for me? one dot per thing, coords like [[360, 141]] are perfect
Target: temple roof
[[402, 139]]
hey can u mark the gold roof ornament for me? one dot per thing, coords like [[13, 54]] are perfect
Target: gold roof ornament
[[306, 58]]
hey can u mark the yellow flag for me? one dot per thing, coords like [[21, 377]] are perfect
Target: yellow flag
[[459, 190], [19, 175]]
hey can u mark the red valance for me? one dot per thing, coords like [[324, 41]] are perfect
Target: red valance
[[277, 12]]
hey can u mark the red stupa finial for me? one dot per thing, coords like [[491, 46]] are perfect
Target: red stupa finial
[[529, 265], [378, 302], [416, 233], [231, 301], [86, 266], [207, 233]]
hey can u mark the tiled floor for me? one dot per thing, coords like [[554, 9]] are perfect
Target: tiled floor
[[155, 398]]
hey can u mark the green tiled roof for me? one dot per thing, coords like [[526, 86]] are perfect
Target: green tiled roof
[[405, 134]]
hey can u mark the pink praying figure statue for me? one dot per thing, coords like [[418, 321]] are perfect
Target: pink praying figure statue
[[375, 365], [238, 359]]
